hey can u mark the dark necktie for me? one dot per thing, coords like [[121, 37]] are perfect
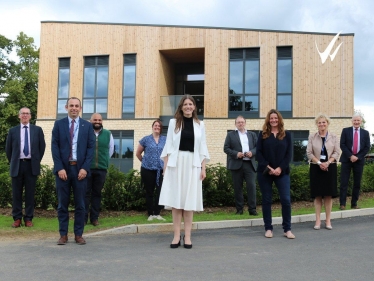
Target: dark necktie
[[26, 147], [71, 132], [355, 142]]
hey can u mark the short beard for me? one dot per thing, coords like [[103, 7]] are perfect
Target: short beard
[[97, 126]]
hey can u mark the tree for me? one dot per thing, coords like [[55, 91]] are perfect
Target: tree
[[20, 83], [5, 65]]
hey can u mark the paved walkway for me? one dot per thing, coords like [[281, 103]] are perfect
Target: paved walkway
[[242, 253]]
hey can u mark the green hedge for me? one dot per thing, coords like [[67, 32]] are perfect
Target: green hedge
[[125, 192]]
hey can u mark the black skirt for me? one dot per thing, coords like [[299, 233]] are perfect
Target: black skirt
[[323, 183]]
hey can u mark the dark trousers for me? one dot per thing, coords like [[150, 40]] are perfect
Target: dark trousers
[[25, 179], [247, 173], [282, 182], [95, 183], [152, 190], [357, 168], [63, 196]]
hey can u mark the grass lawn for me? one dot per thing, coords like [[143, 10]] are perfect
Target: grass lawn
[[46, 226]]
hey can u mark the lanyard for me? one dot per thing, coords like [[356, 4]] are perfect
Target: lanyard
[[323, 143]]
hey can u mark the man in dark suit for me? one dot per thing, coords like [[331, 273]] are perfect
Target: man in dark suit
[[240, 147], [355, 144], [73, 143], [25, 146]]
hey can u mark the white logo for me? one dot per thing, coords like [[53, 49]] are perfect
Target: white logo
[[324, 55]]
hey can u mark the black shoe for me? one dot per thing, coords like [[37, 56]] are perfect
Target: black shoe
[[239, 212], [187, 246], [253, 213], [174, 246]]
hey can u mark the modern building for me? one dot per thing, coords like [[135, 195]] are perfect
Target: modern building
[[134, 73]]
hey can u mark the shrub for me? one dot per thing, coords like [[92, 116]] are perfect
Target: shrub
[[113, 191], [45, 190], [299, 177], [5, 182], [217, 187]]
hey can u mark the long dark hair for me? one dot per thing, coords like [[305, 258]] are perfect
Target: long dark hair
[[266, 128], [179, 113]]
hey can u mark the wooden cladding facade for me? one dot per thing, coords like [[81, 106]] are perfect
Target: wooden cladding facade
[[316, 87]]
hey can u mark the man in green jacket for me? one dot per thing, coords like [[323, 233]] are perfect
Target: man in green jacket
[[104, 147]]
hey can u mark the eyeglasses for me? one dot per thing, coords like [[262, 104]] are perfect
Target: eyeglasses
[[25, 113]]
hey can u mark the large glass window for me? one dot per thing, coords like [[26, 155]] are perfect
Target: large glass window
[[95, 86], [284, 80], [299, 144], [63, 85], [123, 153], [129, 79], [244, 82], [299, 141]]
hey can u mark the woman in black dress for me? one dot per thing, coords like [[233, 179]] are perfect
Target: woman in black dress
[[323, 151]]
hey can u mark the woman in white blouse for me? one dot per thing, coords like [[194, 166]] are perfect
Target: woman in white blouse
[[185, 155]]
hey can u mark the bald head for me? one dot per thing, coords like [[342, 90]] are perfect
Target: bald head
[[96, 121]]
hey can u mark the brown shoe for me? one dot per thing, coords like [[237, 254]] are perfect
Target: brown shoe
[[355, 207], [95, 223], [63, 240], [80, 240], [29, 224], [342, 207], [16, 223]]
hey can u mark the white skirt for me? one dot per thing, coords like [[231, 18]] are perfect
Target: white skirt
[[181, 186]]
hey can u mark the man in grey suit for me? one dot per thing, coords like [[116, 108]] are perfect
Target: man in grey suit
[[25, 146], [240, 147]]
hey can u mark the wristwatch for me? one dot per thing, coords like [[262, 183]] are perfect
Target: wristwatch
[[319, 163]]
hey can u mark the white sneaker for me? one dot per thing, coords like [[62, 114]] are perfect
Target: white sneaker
[[150, 218], [159, 218]]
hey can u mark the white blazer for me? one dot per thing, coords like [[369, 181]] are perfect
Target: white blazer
[[171, 147]]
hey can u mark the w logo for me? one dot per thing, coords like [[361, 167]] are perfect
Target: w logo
[[325, 54]]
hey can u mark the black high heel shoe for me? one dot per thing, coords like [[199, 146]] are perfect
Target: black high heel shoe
[[187, 246], [174, 246]]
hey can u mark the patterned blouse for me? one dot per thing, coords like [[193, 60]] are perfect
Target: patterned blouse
[[152, 152]]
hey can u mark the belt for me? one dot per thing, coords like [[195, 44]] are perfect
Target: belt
[[72, 163], [25, 159]]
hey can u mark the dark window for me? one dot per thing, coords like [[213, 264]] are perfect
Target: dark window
[[123, 153], [284, 81], [244, 82], [63, 85], [129, 79], [299, 144], [95, 86]]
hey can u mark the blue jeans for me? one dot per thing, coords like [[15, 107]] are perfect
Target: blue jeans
[[282, 182]]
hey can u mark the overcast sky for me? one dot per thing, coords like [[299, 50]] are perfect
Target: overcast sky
[[329, 16]]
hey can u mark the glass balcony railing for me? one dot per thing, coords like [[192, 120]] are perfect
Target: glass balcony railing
[[169, 104]]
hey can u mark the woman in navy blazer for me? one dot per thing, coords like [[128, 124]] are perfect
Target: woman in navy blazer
[[274, 150]]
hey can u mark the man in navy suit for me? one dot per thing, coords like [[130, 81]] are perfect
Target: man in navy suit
[[25, 146], [355, 144], [240, 147], [73, 143]]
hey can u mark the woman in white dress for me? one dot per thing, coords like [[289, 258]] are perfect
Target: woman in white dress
[[185, 155]]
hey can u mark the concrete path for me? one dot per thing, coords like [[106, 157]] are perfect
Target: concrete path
[[344, 253]]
